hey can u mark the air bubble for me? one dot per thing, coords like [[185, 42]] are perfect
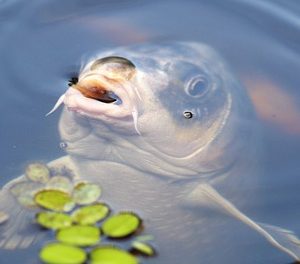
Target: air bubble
[[63, 145]]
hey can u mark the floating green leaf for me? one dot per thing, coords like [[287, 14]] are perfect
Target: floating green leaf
[[60, 183], [37, 172], [53, 220], [121, 225], [86, 193], [79, 235], [143, 248], [111, 255], [54, 200], [90, 214], [58, 253]]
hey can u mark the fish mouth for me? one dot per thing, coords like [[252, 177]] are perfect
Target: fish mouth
[[99, 97], [95, 88]]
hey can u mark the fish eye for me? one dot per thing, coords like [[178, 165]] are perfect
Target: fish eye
[[188, 114], [198, 86]]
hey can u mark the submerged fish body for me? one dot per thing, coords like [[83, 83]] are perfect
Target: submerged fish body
[[169, 133]]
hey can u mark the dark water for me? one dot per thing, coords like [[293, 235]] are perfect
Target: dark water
[[42, 44]]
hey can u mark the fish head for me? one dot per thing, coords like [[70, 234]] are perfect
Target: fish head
[[170, 109]]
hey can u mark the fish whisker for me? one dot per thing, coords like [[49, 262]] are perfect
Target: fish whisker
[[57, 104], [135, 120]]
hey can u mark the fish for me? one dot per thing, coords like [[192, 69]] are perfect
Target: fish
[[169, 132]]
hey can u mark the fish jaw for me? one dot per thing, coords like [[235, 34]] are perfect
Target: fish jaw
[[126, 110], [76, 101]]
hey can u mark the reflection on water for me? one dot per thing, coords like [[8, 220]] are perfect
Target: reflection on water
[[43, 44]]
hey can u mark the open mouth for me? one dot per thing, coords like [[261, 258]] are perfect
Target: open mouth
[[96, 96], [104, 91], [97, 90]]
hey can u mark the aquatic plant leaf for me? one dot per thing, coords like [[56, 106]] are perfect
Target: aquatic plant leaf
[[79, 235], [59, 253], [3, 217], [37, 172], [142, 248], [60, 183], [111, 255], [25, 187], [54, 200], [121, 225], [90, 214], [53, 220], [86, 193]]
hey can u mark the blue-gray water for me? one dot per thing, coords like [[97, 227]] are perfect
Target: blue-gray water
[[42, 44]]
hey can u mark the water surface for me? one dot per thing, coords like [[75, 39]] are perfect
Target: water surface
[[42, 46]]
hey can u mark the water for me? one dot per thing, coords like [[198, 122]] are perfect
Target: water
[[42, 45]]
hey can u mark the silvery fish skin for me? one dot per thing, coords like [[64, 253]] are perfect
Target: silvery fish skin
[[177, 142]]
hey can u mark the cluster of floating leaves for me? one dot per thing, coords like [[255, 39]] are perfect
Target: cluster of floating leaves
[[80, 221]]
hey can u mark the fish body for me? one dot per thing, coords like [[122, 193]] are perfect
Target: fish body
[[169, 133]]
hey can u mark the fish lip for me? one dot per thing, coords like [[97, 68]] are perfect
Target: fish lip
[[87, 83], [75, 101]]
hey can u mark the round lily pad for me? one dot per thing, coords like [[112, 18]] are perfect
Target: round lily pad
[[37, 172], [90, 214], [111, 255], [58, 253], [54, 200], [142, 248], [60, 183], [121, 225], [86, 193], [53, 220], [79, 235]]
